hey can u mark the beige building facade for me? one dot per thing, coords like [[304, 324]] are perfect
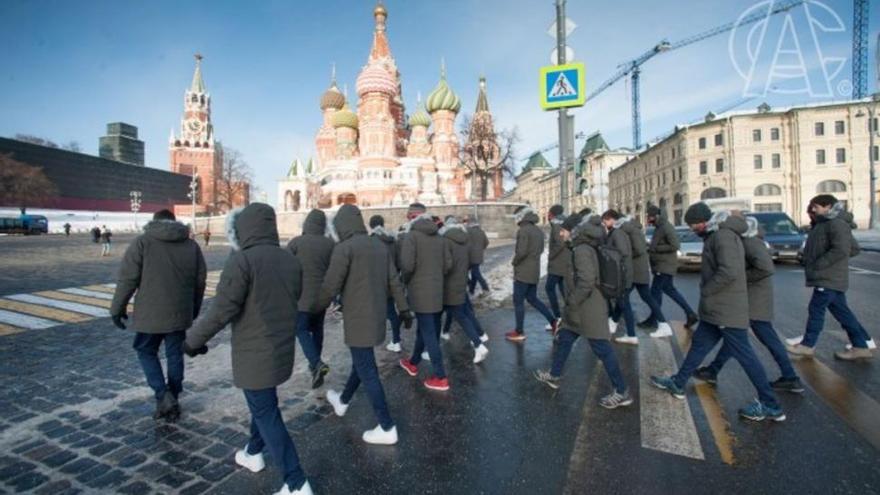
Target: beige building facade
[[762, 160]]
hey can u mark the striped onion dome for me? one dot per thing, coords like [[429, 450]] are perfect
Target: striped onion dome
[[375, 79], [345, 118]]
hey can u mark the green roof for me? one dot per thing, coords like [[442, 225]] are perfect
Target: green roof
[[537, 160], [594, 143]]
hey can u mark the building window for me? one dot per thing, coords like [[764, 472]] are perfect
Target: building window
[[759, 162], [876, 153], [768, 190], [820, 157], [776, 160], [677, 199], [719, 165], [673, 153], [756, 135], [830, 186], [680, 173], [704, 167], [702, 143], [768, 207], [872, 124], [713, 193], [658, 160], [819, 129], [839, 127], [719, 139], [840, 155], [774, 134]]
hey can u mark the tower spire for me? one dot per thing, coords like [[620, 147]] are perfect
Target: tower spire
[[198, 85], [333, 74], [482, 98], [443, 68]]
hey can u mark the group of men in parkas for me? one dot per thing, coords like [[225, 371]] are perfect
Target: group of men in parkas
[[265, 291]]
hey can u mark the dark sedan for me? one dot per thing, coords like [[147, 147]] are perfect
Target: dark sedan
[[781, 234]]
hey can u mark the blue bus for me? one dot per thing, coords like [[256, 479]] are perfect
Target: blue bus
[[24, 224]]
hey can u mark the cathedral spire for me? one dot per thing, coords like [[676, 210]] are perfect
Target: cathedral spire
[[380, 48], [482, 99], [198, 85]]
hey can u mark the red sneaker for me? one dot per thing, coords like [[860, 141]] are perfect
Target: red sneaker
[[515, 336], [410, 368], [555, 324], [435, 383]]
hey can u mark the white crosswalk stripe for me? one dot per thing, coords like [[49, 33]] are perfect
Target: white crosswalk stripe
[[88, 293], [53, 303], [25, 321]]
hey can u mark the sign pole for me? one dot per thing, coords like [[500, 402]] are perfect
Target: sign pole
[[566, 122]]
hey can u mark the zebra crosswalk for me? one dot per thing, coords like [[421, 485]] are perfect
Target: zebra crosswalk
[[51, 308]]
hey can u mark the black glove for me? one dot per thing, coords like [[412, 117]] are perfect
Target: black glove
[[407, 317], [117, 320], [189, 351]]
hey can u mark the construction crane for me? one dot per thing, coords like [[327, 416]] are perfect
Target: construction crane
[[860, 49], [632, 67], [551, 147]]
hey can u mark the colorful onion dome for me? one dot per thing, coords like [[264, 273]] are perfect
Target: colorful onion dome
[[420, 117], [375, 79], [443, 98], [345, 118], [332, 98]]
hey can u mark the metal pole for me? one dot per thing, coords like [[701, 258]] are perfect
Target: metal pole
[[872, 130], [566, 125]]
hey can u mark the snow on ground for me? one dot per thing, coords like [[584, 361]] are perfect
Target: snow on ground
[[500, 281], [83, 221]]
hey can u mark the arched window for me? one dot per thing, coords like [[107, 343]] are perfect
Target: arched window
[[662, 203], [288, 201], [830, 186], [713, 193], [297, 200], [677, 199], [768, 190]]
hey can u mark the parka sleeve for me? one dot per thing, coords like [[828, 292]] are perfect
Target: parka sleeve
[[232, 291], [759, 264], [671, 243], [725, 257], [201, 281], [407, 257], [522, 247], [840, 244], [556, 245], [585, 277], [129, 277], [448, 262], [395, 288], [334, 279]]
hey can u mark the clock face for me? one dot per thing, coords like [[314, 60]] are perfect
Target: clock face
[[195, 125]]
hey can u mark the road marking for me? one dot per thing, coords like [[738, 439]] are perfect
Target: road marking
[[64, 296], [87, 293], [9, 330], [70, 306], [43, 311], [667, 424], [111, 285], [862, 271], [579, 461], [852, 405], [100, 288], [25, 321], [718, 424]]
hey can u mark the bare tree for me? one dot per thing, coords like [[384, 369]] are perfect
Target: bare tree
[[486, 152], [72, 146], [29, 138], [23, 185], [233, 185]]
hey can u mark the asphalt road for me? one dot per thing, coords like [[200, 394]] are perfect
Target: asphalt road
[[74, 412]]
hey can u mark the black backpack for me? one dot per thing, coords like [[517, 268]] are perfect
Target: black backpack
[[611, 272]]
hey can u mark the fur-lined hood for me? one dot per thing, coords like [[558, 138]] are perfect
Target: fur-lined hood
[[527, 214], [588, 231], [558, 220], [167, 230], [381, 231], [724, 219], [753, 229], [621, 221], [423, 223], [347, 222], [251, 226], [454, 231], [838, 210]]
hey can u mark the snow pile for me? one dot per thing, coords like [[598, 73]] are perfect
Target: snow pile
[[500, 280], [82, 221]]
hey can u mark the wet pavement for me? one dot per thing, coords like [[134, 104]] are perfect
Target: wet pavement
[[75, 411]]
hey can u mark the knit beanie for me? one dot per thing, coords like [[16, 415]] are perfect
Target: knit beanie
[[697, 213], [556, 210], [571, 222], [376, 221]]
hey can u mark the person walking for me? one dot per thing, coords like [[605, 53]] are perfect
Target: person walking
[[425, 260], [641, 270], [377, 230], [663, 253], [455, 284], [105, 241], [96, 234], [527, 271], [168, 272], [206, 236], [558, 262], [476, 254], [586, 311], [724, 310], [759, 281], [67, 230], [828, 249], [617, 239], [313, 250], [362, 270], [258, 292]]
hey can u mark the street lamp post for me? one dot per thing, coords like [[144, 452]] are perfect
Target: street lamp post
[[872, 131], [135, 205], [193, 192]]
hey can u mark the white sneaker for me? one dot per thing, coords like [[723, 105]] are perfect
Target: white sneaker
[[445, 336], [612, 326], [426, 356], [626, 339], [484, 338], [393, 346], [253, 463], [871, 345], [548, 327], [335, 400], [663, 330], [378, 436], [306, 489], [480, 353], [793, 341]]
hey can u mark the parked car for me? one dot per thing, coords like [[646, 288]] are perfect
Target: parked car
[[784, 238], [690, 253]]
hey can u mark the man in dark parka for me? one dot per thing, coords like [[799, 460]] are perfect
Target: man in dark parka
[[389, 239], [527, 271], [558, 261], [477, 254]]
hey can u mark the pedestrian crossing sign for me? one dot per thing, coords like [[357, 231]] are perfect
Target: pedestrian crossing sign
[[563, 86]]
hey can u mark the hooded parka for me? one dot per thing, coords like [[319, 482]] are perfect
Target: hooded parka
[[313, 250], [529, 246], [425, 259], [724, 298], [586, 309]]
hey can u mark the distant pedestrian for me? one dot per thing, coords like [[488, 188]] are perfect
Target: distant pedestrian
[[96, 234], [641, 270], [829, 247], [477, 253], [168, 272], [258, 293], [67, 229], [206, 236], [527, 271], [389, 239], [586, 311], [759, 280], [618, 239], [105, 241], [558, 262], [362, 270], [724, 310], [663, 253]]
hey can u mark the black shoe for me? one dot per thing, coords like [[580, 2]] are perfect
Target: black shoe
[[318, 374], [164, 406], [792, 385], [706, 374], [691, 321], [649, 324]]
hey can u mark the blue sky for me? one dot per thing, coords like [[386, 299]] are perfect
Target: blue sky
[[69, 67]]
